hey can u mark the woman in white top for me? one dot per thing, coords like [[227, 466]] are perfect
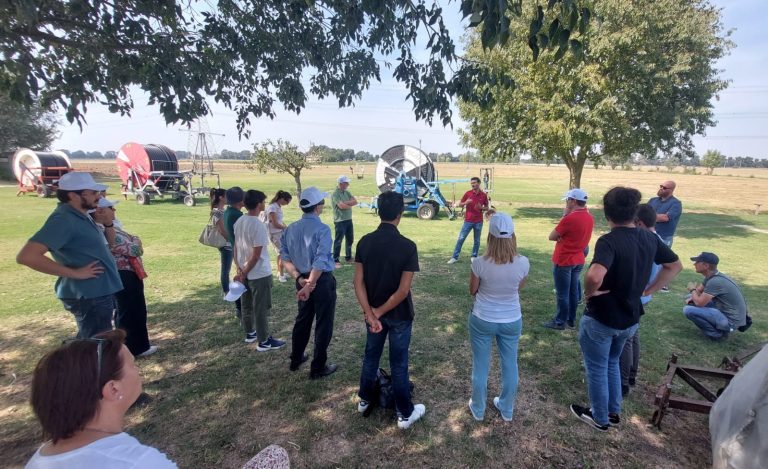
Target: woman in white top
[[273, 217], [495, 282], [80, 394]]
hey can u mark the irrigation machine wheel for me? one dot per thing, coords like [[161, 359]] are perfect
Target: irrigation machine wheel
[[189, 201], [43, 191], [426, 211], [142, 198]]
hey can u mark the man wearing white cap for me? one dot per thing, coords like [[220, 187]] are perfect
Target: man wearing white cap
[[571, 237], [86, 271], [306, 253], [343, 201]]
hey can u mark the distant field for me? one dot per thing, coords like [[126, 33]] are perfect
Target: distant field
[[217, 401]]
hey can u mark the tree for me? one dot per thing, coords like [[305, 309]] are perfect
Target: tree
[[644, 87], [250, 55], [712, 159], [25, 126], [282, 157]]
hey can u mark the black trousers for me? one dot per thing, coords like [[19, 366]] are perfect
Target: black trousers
[[344, 229], [320, 307], [131, 313]]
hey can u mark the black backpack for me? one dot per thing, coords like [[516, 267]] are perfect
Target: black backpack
[[383, 393]]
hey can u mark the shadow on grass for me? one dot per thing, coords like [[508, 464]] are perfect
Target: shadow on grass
[[206, 382]]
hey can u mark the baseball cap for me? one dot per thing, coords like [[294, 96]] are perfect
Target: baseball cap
[[236, 290], [79, 181], [343, 178], [501, 225], [311, 196], [104, 203], [707, 257], [576, 194]]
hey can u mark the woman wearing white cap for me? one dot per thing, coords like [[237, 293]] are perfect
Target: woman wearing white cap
[[131, 311], [495, 282]]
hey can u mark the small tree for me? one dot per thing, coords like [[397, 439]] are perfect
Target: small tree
[[25, 126], [712, 159], [282, 157]]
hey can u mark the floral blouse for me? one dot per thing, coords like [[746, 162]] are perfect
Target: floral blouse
[[126, 246]]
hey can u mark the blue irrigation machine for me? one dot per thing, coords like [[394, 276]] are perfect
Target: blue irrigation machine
[[409, 171]]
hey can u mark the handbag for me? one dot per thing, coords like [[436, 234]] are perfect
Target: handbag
[[211, 236]]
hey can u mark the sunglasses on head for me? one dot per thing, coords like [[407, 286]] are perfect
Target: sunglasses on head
[[99, 352]]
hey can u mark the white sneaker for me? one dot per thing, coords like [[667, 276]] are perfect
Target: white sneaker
[[496, 404], [282, 278], [418, 412], [453, 260], [152, 349], [362, 406]]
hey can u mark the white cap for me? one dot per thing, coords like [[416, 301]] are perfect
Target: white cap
[[104, 203], [311, 196], [343, 178], [576, 194], [236, 290], [78, 181], [501, 225]]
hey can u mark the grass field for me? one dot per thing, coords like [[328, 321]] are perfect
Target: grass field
[[217, 401]]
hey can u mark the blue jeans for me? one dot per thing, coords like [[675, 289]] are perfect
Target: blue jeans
[[399, 340], [601, 346], [226, 255], [710, 320], [568, 287], [476, 228], [481, 335], [92, 315], [667, 240]]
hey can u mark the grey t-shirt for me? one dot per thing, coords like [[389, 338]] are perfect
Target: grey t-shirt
[[727, 298]]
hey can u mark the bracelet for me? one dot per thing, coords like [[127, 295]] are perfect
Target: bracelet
[[109, 226]]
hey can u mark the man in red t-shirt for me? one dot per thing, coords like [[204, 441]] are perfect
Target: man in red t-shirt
[[474, 201], [571, 237]]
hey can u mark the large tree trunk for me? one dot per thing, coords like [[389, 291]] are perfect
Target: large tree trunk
[[297, 178], [575, 169]]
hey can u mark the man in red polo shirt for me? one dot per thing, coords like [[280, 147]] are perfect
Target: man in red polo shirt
[[475, 201], [571, 237]]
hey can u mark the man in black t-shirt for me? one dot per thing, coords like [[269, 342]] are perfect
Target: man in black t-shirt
[[614, 283], [385, 262]]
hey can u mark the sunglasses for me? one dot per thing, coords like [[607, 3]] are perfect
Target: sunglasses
[[99, 352]]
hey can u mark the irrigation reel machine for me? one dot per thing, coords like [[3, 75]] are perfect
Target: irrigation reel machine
[[409, 171]]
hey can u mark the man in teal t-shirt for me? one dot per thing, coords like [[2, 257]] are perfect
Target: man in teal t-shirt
[[86, 271], [343, 201]]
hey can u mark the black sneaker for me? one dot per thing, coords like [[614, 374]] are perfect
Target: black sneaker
[[624, 390], [270, 344], [614, 420], [585, 415], [327, 371], [631, 381], [558, 326], [571, 324], [251, 337]]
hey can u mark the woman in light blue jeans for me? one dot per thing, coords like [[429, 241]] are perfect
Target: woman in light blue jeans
[[495, 281]]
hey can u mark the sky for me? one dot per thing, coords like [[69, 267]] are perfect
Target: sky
[[383, 117]]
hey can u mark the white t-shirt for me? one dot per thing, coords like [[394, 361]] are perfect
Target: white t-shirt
[[278, 211], [121, 451], [497, 299], [250, 232]]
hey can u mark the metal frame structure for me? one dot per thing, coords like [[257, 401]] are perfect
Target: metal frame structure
[[45, 185], [160, 184]]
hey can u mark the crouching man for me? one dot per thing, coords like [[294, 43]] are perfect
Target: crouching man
[[385, 262], [717, 306]]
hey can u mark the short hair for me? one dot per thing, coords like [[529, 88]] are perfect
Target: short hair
[[253, 198], [63, 195], [647, 215], [311, 208], [66, 390], [390, 205], [620, 204], [580, 203], [234, 195], [475, 179], [285, 195]]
